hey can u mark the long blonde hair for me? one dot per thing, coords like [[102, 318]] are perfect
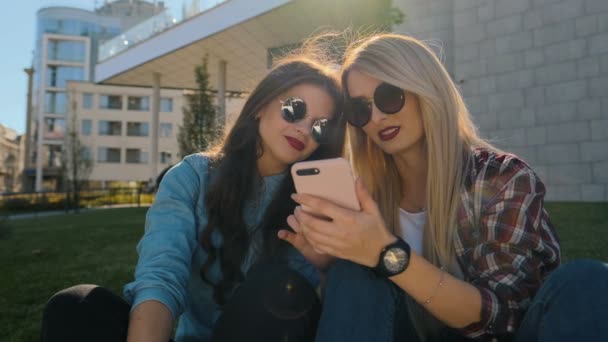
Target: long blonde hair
[[449, 136]]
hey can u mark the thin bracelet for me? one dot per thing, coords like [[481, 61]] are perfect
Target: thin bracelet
[[428, 300]]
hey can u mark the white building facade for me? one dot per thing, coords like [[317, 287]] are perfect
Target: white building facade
[[115, 126]]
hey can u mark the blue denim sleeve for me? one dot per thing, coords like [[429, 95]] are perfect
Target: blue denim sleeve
[[169, 241], [298, 263]]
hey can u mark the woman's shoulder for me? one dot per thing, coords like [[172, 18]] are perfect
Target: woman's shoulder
[[497, 168], [192, 169], [198, 161]]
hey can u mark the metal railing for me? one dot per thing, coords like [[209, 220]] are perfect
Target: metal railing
[[150, 27]]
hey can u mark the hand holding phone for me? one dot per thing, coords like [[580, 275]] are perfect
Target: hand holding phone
[[331, 179]]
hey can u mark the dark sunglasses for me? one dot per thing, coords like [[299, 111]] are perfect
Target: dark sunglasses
[[387, 98], [294, 110]]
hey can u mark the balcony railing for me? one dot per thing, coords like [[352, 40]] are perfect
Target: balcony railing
[[151, 27]]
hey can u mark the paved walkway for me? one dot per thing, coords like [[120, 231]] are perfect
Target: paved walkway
[[62, 212]]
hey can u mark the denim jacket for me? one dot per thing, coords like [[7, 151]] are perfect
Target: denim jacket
[[170, 256]]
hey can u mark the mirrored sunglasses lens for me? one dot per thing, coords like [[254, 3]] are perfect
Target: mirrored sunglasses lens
[[293, 109], [388, 98], [359, 112], [320, 130]]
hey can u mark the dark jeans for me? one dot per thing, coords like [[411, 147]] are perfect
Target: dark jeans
[[572, 305], [274, 303]]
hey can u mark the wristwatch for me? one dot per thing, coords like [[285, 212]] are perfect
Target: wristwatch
[[394, 259]]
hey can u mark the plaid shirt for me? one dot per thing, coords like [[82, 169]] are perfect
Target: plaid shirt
[[506, 244]]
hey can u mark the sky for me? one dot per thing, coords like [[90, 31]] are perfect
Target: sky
[[17, 29]]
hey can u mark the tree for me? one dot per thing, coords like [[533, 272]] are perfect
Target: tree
[[388, 15], [9, 164], [76, 162], [200, 127]]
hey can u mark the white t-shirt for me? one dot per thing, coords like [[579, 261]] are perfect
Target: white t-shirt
[[412, 228], [412, 231]]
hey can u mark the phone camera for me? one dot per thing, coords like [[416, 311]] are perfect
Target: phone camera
[[308, 172]]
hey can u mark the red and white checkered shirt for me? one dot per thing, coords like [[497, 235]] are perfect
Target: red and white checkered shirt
[[506, 244]]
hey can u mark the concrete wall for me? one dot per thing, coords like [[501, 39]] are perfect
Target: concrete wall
[[535, 76]]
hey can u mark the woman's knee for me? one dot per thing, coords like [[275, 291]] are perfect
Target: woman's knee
[[581, 271], [580, 278], [68, 299]]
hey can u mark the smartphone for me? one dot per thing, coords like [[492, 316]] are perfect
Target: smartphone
[[331, 179]]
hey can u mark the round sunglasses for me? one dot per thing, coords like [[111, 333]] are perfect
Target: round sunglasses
[[293, 110], [388, 98]]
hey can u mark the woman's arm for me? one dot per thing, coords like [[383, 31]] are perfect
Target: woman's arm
[[514, 250], [150, 321], [159, 292], [456, 303], [360, 236]]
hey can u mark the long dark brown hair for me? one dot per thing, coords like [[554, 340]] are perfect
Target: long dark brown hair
[[235, 176]]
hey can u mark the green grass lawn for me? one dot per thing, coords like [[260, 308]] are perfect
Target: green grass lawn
[[44, 255]]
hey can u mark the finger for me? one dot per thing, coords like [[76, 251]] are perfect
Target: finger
[[365, 198], [313, 223], [322, 207], [319, 239], [322, 249], [293, 223], [290, 237]]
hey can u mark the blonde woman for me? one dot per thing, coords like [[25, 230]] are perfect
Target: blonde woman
[[452, 241]]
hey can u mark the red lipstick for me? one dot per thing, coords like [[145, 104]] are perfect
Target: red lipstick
[[389, 133], [295, 143]]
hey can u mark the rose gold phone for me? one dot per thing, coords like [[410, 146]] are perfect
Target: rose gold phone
[[331, 179]]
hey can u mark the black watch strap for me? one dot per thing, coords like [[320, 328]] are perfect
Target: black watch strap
[[394, 259]]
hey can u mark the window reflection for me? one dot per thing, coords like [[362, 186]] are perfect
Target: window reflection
[[110, 102], [55, 102], [108, 155], [58, 76], [137, 129], [66, 50], [110, 128], [54, 128], [138, 103]]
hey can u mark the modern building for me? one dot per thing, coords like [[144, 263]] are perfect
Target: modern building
[[115, 125], [11, 164], [533, 73], [66, 49]]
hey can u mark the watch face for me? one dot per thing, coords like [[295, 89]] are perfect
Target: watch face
[[395, 260]]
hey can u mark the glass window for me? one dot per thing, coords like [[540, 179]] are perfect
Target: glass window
[[55, 102], [165, 158], [138, 103], [108, 155], [137, 156], [52, 155], [110, 127], [110, 101], [166, 104], [87, 100], [58, 75], [166, 130], [48, 25], [86, 127], [54, 128], [66, 50], [137, 129], [86, 153]]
